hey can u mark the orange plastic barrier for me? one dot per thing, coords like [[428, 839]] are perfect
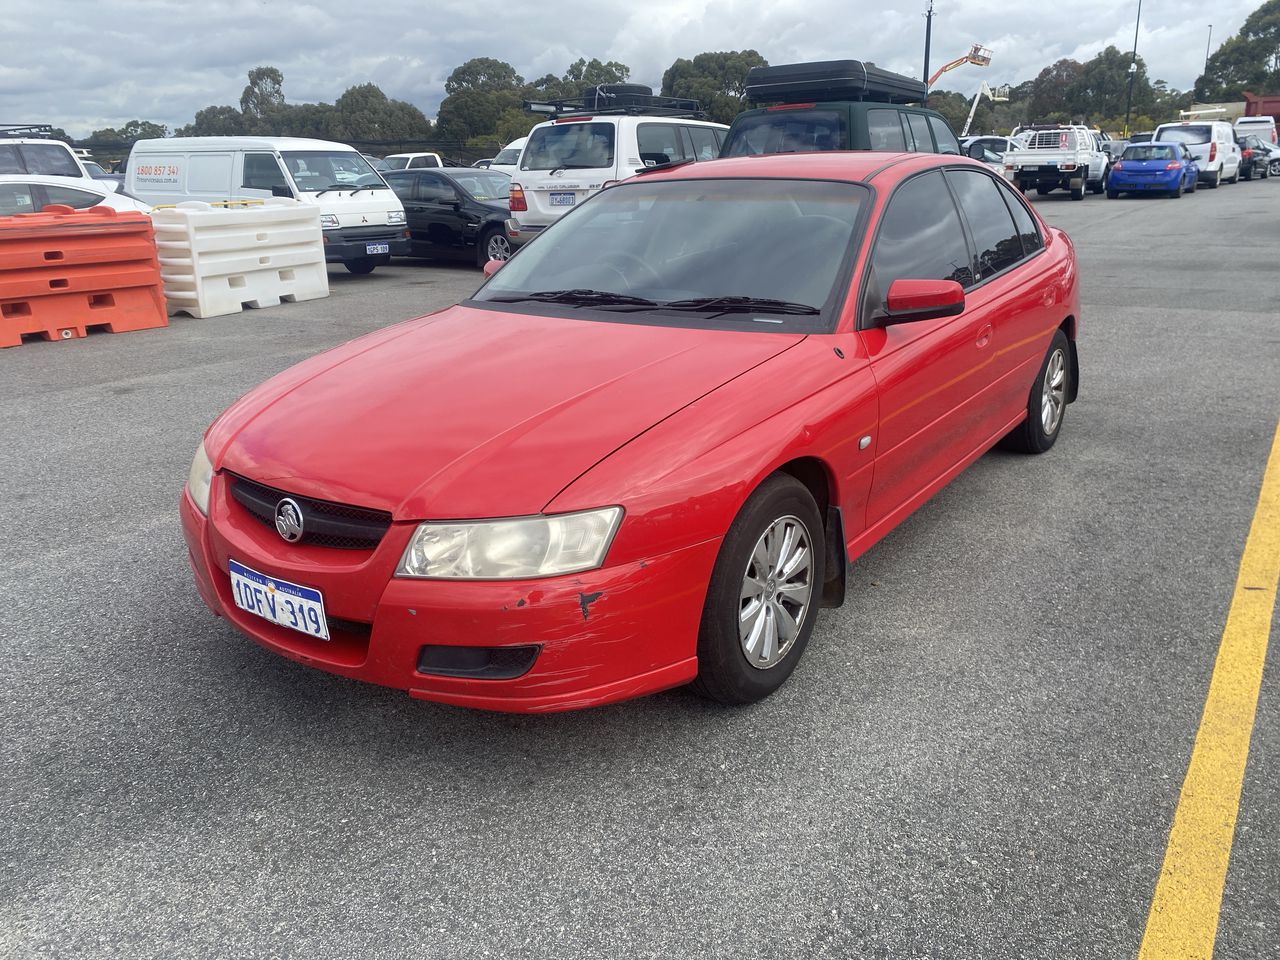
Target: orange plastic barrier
[[64, 272]]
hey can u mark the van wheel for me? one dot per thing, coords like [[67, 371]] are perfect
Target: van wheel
[[1214, 183], [362, 266], [1236, 177], [764, 594]]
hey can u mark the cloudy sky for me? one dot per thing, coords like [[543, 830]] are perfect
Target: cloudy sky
[[83, 64]]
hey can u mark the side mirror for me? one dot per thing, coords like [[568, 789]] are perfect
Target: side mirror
[[976, 150], [492, 267], [911, 300]]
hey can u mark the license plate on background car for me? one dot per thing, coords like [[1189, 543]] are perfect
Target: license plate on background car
[[287, 604], [563, 199], [377, 248]]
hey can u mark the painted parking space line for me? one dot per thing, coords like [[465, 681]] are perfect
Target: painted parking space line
[[1183, 921]]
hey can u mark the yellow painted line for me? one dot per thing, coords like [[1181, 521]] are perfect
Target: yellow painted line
[[1183, 921]]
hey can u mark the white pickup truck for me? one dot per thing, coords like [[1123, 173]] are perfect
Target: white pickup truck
[[1058, 157]]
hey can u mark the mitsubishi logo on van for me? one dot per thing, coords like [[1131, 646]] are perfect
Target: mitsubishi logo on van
[[364, 219]]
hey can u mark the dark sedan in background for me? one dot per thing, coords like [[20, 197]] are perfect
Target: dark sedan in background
[[455, 213]]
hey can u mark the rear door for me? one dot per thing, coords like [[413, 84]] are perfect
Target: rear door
[[405, 186], [565, 162], [440, 213]]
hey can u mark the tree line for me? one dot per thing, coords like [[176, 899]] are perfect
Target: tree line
[[482, 108]]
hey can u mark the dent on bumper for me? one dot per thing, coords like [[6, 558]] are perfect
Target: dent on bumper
[[606, 635]]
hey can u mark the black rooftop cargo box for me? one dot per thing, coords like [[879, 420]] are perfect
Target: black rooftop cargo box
[[831, 80]]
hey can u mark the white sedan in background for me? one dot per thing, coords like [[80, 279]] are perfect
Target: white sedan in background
[[31, 193]]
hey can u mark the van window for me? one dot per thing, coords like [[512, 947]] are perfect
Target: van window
[[704, 143], [316, 170], [885, 131], [1201, 133], [920, 132], [76, 199], [787, 131], [262, 172], [659, 143], [947, 142], [569, 146], [209, 173], [52, 159]]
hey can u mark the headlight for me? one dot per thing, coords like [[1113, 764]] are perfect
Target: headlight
[[328, 221], [199, 479], [514, 549], [395, 216]]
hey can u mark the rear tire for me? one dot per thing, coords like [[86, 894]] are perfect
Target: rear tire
[[1176, 192], [1047, 402], [362, 266], [1216, 181], [1113, 194], [1247, 175], [764, 594], [493, 245], [1077, 193]]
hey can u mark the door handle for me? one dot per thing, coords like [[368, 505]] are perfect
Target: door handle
[[984, 335]]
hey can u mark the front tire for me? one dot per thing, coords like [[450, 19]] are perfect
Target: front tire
[[494, 245], [764, 594], [1047, 402]]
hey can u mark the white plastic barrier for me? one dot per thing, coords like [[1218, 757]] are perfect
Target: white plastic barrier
[[216, 259]]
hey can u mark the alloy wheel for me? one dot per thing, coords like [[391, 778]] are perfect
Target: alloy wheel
[[498, 248], [1053, 397], [777, 589]]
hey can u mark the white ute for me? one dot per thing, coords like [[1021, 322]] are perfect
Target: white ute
[[1067, 157]]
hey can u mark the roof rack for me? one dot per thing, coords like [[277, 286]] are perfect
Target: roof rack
[[832, 80], [630, 100], [26, 130]]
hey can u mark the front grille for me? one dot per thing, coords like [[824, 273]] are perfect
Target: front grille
[[324, 524], [374, 233]]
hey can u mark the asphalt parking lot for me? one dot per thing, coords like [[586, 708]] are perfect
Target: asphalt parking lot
[[978, 757]]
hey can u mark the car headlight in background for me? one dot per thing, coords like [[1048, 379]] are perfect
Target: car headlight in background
[[519, 548], [199, 479], [328, 221], [395, 216]]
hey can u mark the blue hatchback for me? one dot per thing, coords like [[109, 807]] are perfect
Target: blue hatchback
[[1154, 167]]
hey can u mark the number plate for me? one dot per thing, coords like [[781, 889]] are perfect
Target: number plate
[[563, 199], [288, 604], [377, 248]]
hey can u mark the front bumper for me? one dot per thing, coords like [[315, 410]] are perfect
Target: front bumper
[[605, 635], [345, 244]]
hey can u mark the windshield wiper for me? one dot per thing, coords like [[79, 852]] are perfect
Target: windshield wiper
[[580, 297], [333, 186], [742, 305], [370, 186]]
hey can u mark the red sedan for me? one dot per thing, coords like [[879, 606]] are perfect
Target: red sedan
[[646, 451]]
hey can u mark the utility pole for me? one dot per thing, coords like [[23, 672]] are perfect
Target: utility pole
[[1207, 44], [928, 35], [1133, 70]]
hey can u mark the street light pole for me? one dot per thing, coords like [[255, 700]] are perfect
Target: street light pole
[[1133, 70], [928, 35], [1207, 44]]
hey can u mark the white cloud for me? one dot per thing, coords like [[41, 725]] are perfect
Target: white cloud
[[83, 65]]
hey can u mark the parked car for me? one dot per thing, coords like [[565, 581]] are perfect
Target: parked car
[[997, 145], [1213, 142], [836, 105], [1273, 157], [1168, 168], [413, 161], [1067, 157], [112, 181], [639, 457], [363, 221], [1255, 157], [455, 213], [40, 156], [508, 159], [483, 164], [28, 193], [583, 150]]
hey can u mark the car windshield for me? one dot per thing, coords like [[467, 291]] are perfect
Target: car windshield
[[316, 170], [770, 253], [569, 146], [1149, 153], [508, 157], [787, 131], [396, 163], [1185, 134], [483, 185]]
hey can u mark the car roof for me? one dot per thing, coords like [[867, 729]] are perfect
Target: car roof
[[78, 183], [854, 166]]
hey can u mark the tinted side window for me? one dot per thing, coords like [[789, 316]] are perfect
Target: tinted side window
[[16, 198], [1028, 231], [884, 130], [78, 199], [433, 187], [990, 222], [261, 172], [947, 142], [49, 158], [704, 143], [10, 162], [403, 186], [920, 131], [920, 238], [659, 143]]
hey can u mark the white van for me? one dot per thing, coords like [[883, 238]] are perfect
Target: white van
[[508, 159], [568, 159], [1211, 142], [363, 219], [1264, 128]]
